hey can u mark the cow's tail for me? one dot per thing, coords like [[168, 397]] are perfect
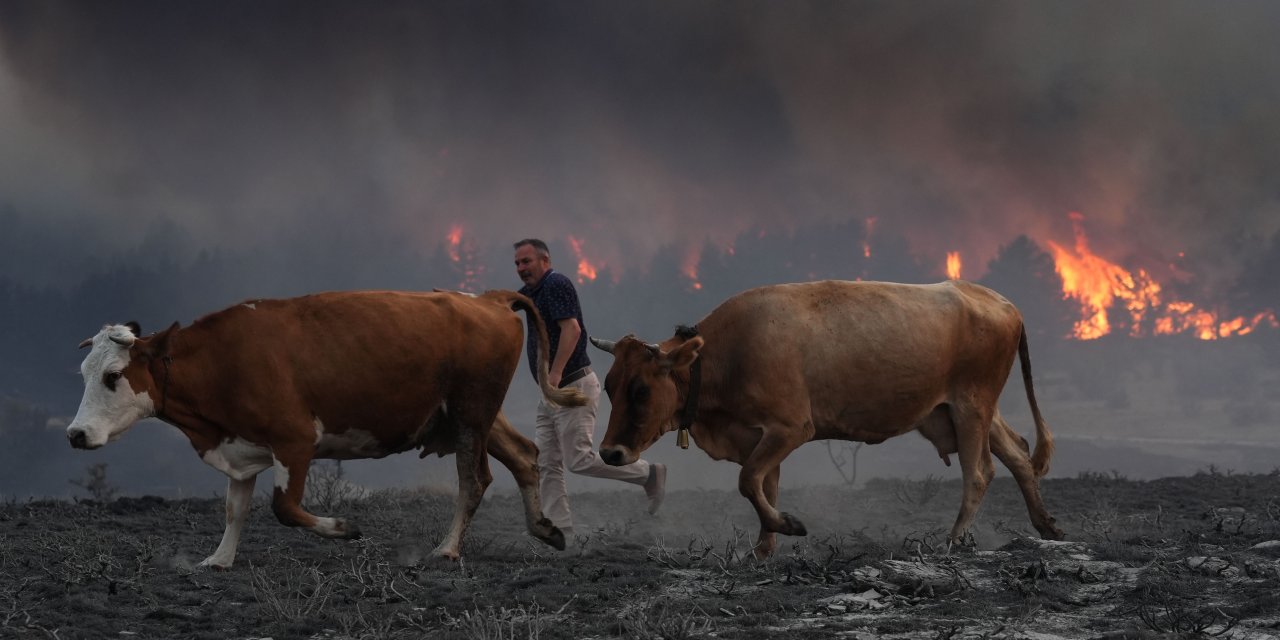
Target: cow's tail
[[1044, 439], [562, 397]]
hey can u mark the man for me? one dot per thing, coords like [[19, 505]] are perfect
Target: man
[[565, 435]]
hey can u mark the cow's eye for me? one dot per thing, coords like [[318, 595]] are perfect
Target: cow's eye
[[110, 379], [640, 393]]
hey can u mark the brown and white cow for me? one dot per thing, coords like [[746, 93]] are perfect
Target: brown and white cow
[[344, 375], [775, 367]]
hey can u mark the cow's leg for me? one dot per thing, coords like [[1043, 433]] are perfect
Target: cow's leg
[[239, 499], [768, 540], [775, 445], [520, 456], [473, 478], [290, 466], [973, 427], [1012, 451]]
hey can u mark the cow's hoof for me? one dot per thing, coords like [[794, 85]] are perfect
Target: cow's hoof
[[554, 537], [792, 526], [444, 556], [213, 564], [336, 528], [965, 540], [347, 530]]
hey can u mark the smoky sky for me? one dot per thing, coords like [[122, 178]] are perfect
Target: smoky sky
[[639, 126]]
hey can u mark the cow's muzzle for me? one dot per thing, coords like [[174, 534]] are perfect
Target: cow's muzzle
[[616, 456], [79, 439]]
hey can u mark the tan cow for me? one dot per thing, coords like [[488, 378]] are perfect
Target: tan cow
[[775, 367], [345, 375]]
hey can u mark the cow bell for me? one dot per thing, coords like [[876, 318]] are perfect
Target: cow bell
[[682, 438]]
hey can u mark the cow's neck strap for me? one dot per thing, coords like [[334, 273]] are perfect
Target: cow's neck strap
[[164, 386], [690, 410]]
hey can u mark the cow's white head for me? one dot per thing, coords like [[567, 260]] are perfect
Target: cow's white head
[[118, 384]]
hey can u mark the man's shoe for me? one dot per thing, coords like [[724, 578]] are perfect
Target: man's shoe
[[656, 486]]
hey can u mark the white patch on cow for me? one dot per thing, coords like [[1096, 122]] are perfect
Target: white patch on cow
[[352, 444], [239, 499], [328, 527], [238, 458], [281, 473], [105, 414], [250, 305]]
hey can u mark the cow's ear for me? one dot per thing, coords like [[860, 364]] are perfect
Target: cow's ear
[[682, 356], [135, 328], [158, 345]]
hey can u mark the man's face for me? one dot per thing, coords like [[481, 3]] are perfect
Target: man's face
[[529, 265]]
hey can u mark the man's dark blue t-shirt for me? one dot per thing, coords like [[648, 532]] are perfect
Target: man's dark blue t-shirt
[[556, 300]]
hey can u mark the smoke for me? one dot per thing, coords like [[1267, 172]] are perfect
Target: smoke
[[637, 127], [1146, 118]]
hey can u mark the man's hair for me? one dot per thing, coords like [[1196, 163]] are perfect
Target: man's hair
[[538, 245]]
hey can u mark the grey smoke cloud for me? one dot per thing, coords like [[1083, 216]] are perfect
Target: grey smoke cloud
[[640, 126], [334, 145]]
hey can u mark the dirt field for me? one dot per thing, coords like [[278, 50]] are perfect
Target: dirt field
[[1188, 556]]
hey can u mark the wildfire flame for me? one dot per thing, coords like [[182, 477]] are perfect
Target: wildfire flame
[[455, 242], [953, 265], [586, 270], [1098, 285], [462, 253], [870, 227], [690, 267]]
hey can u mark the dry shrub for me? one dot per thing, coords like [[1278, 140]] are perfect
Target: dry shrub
[[294, 592], [95, 482], [660, 620], [328, 489], [502, 623]]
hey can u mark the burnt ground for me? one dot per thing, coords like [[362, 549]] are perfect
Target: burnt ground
[[1188, 556]]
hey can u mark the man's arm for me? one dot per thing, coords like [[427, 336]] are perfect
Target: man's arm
[[569, 333]]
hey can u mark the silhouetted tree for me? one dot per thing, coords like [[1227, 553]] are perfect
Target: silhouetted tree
[[1258, 288], [1024, 273]]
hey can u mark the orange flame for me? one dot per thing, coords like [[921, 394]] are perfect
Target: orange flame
[[462, 254], [690, 267], [1185, 318], [586, 270], [953, 265], [870, 226], [1098, 284], [455, 242]]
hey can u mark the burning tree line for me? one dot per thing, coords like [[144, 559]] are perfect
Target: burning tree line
[[1066, 291], [164, 280]]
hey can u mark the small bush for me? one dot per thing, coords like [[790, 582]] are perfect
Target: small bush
[[95, 482]]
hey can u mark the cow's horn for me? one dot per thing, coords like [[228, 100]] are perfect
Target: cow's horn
[[604, 345], [653, 348], [84, 343], [124, 342]]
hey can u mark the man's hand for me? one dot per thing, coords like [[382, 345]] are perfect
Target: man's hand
[[569, 333]]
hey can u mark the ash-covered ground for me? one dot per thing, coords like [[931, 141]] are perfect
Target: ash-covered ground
[[1189, 556]]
